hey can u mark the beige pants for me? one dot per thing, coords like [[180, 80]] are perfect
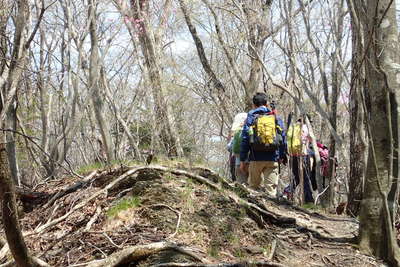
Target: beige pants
[[270, 171]]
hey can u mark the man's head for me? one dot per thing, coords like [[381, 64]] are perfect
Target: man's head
[[260, 99]]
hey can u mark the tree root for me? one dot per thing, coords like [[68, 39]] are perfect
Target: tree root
[[255, 209], [137, 253]]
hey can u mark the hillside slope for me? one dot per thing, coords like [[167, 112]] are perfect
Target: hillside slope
[[163, 216]]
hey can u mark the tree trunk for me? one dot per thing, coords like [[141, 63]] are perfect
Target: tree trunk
[[382, 58], [163, 122], [132, 140], [9, 210], [358, 137], [94, 83], [11, 143], [60, 142], [9, 86], [258, 17], [221, 100], [331, 192], [45, 104]]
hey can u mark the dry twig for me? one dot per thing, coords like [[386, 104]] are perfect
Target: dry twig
[[93, 219]]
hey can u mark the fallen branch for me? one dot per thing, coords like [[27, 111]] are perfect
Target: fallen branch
[[111, 241], [71, 189], [128, 173], [87, 200], [93, 219], [273, 249], [137, 253]]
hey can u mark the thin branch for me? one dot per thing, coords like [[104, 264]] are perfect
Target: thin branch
[[31, 139], [40, 18]]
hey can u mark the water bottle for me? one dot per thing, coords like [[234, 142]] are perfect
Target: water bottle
[[251, 135]]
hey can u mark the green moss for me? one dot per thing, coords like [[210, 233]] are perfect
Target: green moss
[[124, 204]]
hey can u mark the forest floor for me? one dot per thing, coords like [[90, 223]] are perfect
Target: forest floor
[[177, 216]]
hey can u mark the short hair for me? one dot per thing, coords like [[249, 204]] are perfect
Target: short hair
[[260, 99]]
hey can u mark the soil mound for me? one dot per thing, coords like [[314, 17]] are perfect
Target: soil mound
[[163, 216]]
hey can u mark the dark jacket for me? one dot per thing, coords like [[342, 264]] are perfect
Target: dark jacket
[[259, 155]]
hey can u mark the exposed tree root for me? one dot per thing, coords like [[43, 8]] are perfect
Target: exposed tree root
[[255, 209], [241, 196], [137, 253]]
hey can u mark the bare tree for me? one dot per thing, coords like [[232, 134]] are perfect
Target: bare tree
[[358, 135], [381, 99], [7, 188], [138, 20], [95, 82]]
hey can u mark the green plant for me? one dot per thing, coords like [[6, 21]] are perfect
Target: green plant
[[124, 204], [237, 213], [187, 197], [213, 251], [239, 253], [232, 238], [169, 177], [310, 206], [266, 249]]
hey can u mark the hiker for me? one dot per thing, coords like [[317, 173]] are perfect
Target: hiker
[[300, 152], [263, 143], [326, 160], [236, 132]]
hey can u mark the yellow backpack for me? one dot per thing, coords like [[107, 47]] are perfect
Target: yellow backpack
[[294, 143], [265, 133]]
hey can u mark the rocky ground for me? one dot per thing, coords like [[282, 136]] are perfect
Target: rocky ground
[[177, 216]]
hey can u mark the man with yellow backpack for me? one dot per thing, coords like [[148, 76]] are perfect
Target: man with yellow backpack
[[298, 145], [263, 144]]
